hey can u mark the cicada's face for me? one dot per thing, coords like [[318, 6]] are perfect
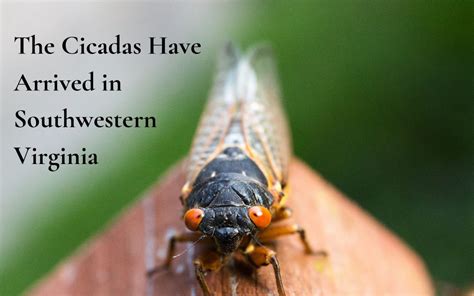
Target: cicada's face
[[228, 225]]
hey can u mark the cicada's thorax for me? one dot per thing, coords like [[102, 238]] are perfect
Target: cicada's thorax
[[232, 179]]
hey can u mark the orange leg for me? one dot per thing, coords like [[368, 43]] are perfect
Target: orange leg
[[282, 213], [209, 261], [262, 256], [273, 232]]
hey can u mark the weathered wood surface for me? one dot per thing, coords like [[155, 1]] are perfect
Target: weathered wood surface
[[364, 257]]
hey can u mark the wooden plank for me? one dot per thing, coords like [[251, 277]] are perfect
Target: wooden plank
[[364, 257]]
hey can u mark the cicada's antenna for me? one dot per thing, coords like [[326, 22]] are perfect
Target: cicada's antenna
[[190, 247], [255, 239]]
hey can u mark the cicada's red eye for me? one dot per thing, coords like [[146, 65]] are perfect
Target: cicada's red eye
[[193, 218], [260, 216]]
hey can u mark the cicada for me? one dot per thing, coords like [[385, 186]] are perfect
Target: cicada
[[237, 171]]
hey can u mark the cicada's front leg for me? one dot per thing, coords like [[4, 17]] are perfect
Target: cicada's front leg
[[208, 261], [262, 256]]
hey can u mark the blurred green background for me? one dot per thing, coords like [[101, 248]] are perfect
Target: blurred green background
[[379, 97]]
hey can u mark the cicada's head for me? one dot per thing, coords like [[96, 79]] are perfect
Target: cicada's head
[[228, 209]]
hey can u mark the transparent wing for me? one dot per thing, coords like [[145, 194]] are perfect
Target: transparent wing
[[217, 114], [244, 110], [265, 124]]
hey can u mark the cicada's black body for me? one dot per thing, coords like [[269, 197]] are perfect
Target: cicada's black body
[[225, 188]]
